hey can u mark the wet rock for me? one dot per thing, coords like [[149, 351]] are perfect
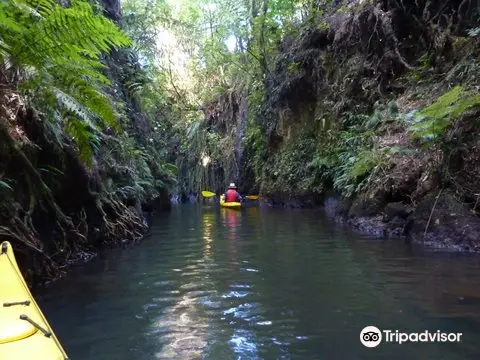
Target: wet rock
[[373, 226], [396, 226], [192, 199], [81, 257], [162, 202], [393, 210], [427, 182], [368, 205], [335, 207], [302, 201], [452, 225]]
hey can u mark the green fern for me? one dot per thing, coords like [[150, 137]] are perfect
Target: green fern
[[366, 161], [63, 47], [434, 120], [83, 137], [171, 169]]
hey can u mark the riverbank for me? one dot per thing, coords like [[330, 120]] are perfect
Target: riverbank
[[362, 105], [376, 101], [56, 210], [79, 155], [145, 214], [438, 222]]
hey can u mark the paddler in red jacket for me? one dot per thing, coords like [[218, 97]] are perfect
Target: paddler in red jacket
[[232, 194]]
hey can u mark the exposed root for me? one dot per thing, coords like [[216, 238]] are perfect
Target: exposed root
[[45, 229], [127, 225], [65, 224]]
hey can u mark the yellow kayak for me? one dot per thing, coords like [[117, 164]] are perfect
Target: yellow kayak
[[230, 205], [24, 331]]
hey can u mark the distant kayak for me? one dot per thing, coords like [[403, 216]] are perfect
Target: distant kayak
[[24, 331], [231, 205]]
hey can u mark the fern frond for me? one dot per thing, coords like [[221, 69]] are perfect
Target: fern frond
[[441, 107], [7, 23], [83, 138], [436, 118], [64, 45], [71, 104], [171, 169]]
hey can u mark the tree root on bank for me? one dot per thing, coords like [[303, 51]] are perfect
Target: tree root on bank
[[382, 41], [126, 225], [23, 234], [33, 216], [65, 224]]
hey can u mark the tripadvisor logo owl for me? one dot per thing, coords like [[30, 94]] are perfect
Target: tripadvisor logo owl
[[371, 336]]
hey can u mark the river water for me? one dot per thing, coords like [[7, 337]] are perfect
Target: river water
[[209, 283]]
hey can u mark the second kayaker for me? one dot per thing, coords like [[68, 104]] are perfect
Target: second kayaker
[[232, 194]]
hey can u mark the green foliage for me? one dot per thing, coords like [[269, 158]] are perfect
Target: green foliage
[[345, 159], [232, 47], [366, 161], [420, 73], [84, 137], [433, 121], [207, 52], [134, 171], [62, 47], [294, 68], [352, 169], [141, 20]]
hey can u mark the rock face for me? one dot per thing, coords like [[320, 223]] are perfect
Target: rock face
[[368, 204], [283, 200], [159, 203], [445, 223], [353, 66]]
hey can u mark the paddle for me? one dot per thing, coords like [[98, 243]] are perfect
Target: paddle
[[208, 194]]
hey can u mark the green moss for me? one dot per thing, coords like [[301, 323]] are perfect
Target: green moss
[[294, 68]]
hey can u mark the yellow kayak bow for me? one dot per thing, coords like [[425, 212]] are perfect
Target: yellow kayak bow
[[24, 331]]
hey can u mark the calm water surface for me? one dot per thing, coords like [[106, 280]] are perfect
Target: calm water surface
[[211, 283]]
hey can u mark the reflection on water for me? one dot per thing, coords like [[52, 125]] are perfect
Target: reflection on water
[[182, 331], [213, 283], [207, 228], [243, 343], [182, 327], [230, 221]]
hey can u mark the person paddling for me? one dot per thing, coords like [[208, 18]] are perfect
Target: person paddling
[[232, 194]]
